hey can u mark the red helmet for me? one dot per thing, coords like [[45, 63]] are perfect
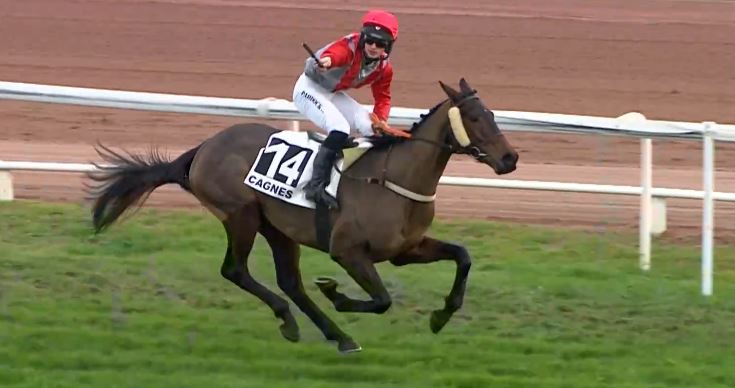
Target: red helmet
[[378, 17], [382, 25]]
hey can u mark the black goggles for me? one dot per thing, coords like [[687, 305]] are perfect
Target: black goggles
[[379, 43]]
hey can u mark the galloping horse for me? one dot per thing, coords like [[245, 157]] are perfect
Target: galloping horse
[[386, 206]]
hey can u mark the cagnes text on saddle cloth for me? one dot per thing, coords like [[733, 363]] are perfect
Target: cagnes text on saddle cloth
[[284, 166]]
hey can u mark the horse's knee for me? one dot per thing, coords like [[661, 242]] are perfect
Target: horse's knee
[[464, 265], [462, 257], [459, 252]]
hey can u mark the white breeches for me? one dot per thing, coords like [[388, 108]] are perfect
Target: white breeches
[[330, 111]]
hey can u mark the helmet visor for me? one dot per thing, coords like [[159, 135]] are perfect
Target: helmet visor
[[377, 34]]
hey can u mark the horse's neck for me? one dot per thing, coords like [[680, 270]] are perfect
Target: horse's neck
[[418, 165]]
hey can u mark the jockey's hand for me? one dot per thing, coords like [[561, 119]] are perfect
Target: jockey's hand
[[325, 63], [381, 127]]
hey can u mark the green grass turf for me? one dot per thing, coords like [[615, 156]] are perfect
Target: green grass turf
[[144, 305]]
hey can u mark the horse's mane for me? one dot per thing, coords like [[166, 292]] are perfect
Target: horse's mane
[[424, 116], [382, 141]]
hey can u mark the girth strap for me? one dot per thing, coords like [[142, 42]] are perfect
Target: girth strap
[[402, 190]]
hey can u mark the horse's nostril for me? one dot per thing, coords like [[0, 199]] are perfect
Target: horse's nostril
[[510, 158]]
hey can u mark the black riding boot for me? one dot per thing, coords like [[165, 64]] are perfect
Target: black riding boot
[[315, 189]]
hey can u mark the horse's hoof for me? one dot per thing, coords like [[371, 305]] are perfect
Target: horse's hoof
[[290, 332], [438, 319], [349, 346], [325, 283]]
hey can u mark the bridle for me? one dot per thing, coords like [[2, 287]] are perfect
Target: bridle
[[450, 144]]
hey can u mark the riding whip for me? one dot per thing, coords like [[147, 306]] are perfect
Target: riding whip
[[313, 56]]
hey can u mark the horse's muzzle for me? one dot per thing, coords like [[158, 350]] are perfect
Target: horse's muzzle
[[509, 162], [506, 164]]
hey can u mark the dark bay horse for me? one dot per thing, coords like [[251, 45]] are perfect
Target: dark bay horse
[[379, 219]]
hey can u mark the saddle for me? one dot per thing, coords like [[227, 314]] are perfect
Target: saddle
[[351, 151]]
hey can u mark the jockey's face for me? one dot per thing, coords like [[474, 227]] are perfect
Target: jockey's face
[[374, 48]]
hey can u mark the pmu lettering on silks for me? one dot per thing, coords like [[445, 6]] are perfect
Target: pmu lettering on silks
[[312, 99], [271, 187]]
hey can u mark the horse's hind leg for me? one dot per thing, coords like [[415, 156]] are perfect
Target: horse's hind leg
[[241, 228], [430, 250], [286, 258], [362, 270]]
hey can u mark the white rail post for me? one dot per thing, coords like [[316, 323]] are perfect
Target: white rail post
[[658, 215], [644, 246], [295, 125], [708, 181], [6, 186]]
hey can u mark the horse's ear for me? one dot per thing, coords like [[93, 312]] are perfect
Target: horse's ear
[[449, 91], [464, 86]]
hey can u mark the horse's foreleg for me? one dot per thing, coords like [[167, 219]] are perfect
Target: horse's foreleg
[[430, 250], [362, 270], [241, 229]]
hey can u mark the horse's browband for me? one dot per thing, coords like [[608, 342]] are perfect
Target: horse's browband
[[471, 96]]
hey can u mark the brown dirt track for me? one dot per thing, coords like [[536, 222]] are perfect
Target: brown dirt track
[[671, 60]]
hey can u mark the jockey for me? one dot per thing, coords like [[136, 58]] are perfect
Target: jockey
[[353, 61]]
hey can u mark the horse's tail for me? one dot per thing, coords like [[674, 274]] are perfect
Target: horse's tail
[[129, 179]]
